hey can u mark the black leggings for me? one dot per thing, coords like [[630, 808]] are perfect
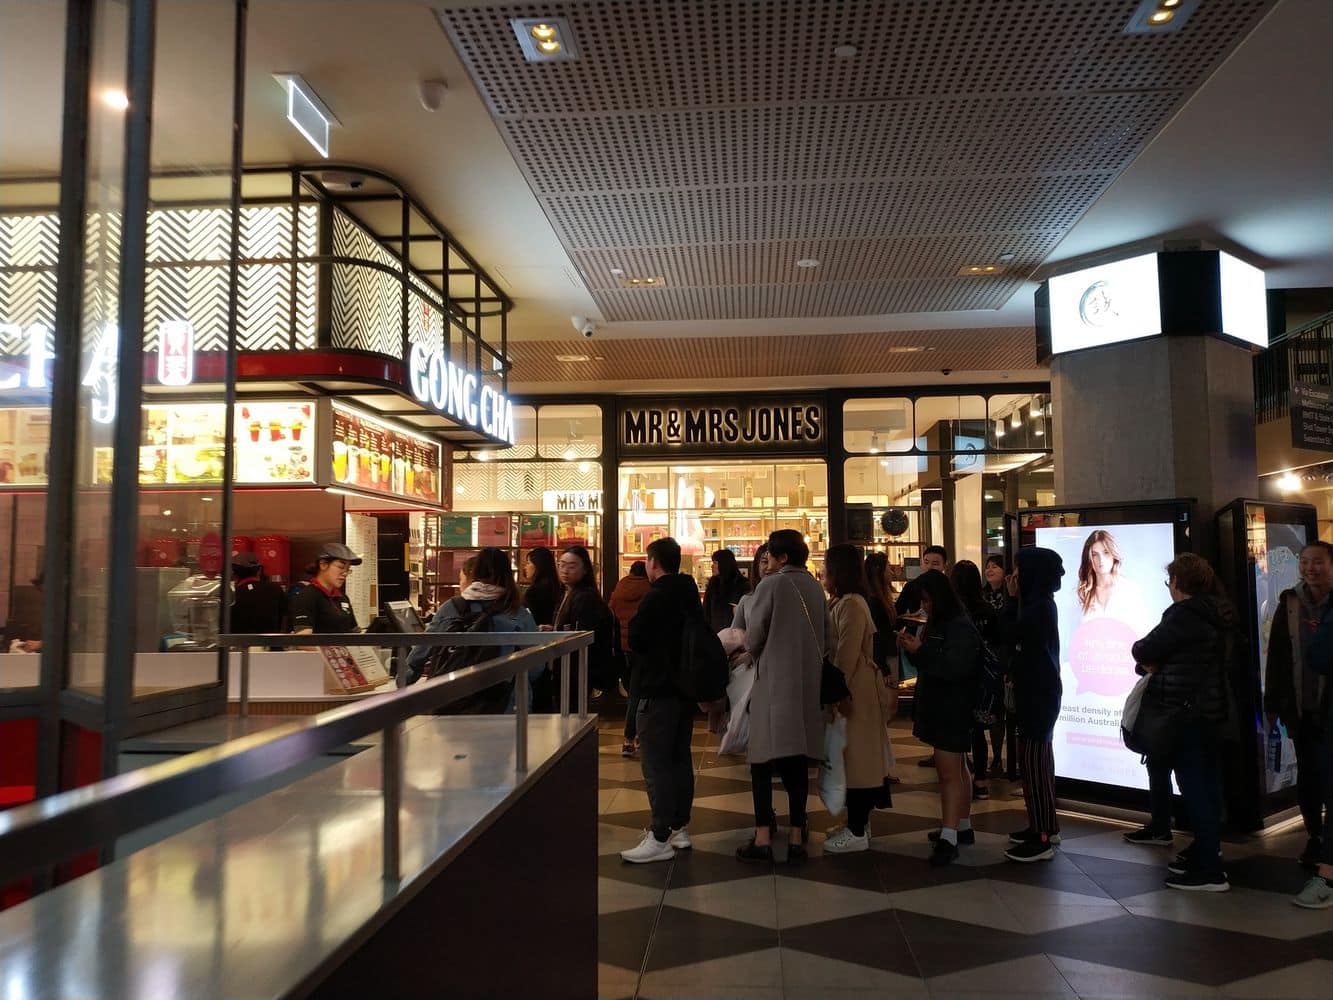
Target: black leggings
[[859, 803], [795, 775]]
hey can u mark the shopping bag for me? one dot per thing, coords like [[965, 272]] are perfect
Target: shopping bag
[[833, 771], [739, 688], [1147, 727]]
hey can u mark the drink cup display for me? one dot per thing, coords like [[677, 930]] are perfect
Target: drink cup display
[[274, 431], [340, 461], [254, 431], [386, 466], [297, 428]]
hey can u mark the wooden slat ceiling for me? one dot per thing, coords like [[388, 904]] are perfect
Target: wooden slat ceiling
[[812, 358], [712, 143]]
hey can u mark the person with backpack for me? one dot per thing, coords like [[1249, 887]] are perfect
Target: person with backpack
[[788, 632], [658, 635], [489, 602]]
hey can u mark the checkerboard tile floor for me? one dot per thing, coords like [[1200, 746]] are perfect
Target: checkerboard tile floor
[[1096, 922]]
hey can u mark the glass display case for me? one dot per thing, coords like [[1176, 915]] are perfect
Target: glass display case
[[721, 505]]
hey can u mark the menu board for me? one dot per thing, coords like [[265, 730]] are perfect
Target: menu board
[[183, 445], [25, 436], [374, 457]]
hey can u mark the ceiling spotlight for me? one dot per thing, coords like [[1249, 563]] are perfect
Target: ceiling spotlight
[[1161, 16], [1016, 418], [807, 263], [874, 442], [116, 100], [975, 269], [1039, 429], [1289, 483], [483, 456], [545, 39], [999, 427], [572, 358]]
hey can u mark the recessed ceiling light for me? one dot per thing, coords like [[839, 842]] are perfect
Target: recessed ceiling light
[[905, 349], [972, 270], [545, 39], [116, 99], [846, 52], [572, 358], [1160, 16], [308, 114], [807, 262], [640, 281]]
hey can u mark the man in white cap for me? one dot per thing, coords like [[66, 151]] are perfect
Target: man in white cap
[[323, 607]]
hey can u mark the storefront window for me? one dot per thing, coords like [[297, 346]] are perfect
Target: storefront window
[[875, 426], [878, 486], [1019, 422], [569, 432], [951, 423], [731, 505]]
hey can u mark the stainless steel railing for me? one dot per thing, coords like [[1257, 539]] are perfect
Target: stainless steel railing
[[37, 836]]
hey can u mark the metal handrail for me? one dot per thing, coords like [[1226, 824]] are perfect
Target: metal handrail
[[36, 836]]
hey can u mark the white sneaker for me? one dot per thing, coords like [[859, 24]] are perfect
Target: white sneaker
[[680, 839], [649, 849], [846, 842]]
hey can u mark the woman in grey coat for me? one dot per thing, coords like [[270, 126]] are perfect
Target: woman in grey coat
[[787, 630]]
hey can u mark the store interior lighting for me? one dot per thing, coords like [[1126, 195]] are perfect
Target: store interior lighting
[[999, 427], [1016, 418], [1289, 483], [874, 442]]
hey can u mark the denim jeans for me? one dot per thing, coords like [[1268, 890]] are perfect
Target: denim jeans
[[1197, 764]]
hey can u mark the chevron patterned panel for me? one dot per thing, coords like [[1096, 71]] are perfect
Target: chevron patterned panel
[[425, 322], [497, 485], [27, 297], [367, 303]]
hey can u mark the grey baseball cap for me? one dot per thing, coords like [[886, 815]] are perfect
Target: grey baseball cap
[[337, 550]]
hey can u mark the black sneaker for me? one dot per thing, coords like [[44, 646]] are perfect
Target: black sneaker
[[980, 793], [1031, 850], [1314, 847], [1148, 837], [966, 838], [1027, 834], [1184, 861], [1199, 882], [944, 853], [753, 853]]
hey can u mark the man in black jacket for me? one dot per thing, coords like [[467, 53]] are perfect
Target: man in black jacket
[[665, 719]]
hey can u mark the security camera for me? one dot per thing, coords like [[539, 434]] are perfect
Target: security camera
[[946, 371], [583, 325]]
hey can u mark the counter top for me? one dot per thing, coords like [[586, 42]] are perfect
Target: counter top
[[254, 902]]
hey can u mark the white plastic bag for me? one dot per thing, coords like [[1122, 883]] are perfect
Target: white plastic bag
[[1132, 704], [739, 687], [833, 771]]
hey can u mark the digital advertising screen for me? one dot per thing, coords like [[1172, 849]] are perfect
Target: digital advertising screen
[[1113, 593], [1106, 304]]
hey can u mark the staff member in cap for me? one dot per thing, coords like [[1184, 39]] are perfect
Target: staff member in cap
[[260, 604], [323, 607]]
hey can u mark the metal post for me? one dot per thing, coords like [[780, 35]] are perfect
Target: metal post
[[563, 675], [521, 716], [583, 681], [392, 761], [245, 681]]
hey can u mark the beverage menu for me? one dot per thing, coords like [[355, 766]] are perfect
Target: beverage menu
[[275, 443], [374, 457], [25, 435], [184, 444]]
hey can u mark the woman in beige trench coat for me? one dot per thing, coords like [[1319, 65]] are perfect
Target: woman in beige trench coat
[[866, 755]]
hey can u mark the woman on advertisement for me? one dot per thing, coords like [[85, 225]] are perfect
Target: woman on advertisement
[[1103, 591]]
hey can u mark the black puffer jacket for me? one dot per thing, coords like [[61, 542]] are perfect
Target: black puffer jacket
[[1189, 648]]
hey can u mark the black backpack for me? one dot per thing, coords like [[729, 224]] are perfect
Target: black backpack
[[703, 672], [473, 617]]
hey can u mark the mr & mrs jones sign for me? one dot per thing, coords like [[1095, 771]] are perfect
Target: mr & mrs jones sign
[[707, 426]]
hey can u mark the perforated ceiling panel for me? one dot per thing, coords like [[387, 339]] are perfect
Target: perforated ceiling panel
[[713, 144], [537, 366]]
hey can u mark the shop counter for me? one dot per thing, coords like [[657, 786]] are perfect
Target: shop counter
[[283, 896]]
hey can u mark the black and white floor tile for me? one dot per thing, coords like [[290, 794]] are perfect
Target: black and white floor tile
[[1096, 922]]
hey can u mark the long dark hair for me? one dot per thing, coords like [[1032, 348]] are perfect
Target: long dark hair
[[756, 573], [877, 585], [726, 585], [493, 568], [589, 577], [944, 602], [966, 580], [844, 570], [543, 567]]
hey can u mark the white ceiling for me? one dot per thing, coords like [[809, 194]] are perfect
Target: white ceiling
[[1034, 124]]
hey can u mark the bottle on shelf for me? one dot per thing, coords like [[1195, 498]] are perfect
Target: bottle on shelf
[[799, 496], [722, 495], [698, 494], [749, 493]]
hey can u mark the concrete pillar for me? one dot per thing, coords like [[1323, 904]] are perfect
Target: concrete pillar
[[1155, 419]]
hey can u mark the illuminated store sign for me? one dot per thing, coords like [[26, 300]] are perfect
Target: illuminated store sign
[[1180, 293], [763, 425], [1107, 304], [459, 393], [175, 353], [572, 501]]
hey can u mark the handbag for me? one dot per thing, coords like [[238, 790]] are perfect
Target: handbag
[[832, 683], [1148, 727], [833, 769]]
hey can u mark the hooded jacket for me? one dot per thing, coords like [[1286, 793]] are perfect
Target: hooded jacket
[[1031, 627], [624, 602], [655, 634], [1190, 649]]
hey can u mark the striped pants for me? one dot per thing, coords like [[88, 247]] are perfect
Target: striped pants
[[1038, 763]]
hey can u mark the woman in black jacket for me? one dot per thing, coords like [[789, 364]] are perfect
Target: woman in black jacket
[[948, 662], [1186, 654], [582, 609], [1031, 628], [725, 589], [966, 579]]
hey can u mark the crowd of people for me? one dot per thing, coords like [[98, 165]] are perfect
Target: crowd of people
[[984, 646]]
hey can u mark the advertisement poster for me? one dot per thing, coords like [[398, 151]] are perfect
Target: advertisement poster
[[1275, 553], [25, 435], [275, 443], [1113, 593], [372, 456]]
